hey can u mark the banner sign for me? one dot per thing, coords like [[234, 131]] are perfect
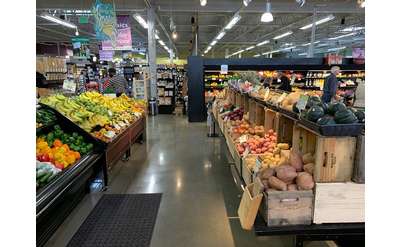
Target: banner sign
[[106, 55], [124, 37], [105, 21]]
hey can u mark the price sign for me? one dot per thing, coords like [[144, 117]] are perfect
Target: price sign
[[110, 134], [243, 139], [301, 104], [224, 69], [117, 127], [266, 94], [137, 114], [257, 167], [69, 85], [280, 99], [221, 110], [246, 152]]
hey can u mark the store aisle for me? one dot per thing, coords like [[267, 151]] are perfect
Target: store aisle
[[200, 200]]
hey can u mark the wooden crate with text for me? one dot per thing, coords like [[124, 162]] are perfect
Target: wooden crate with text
[[271, 120]]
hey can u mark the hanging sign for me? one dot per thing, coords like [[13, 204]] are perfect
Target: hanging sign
[[224, 69], [106, 55], [105, 21], [124, 37]]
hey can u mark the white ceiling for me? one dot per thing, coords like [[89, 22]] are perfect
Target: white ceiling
[[213, 17]]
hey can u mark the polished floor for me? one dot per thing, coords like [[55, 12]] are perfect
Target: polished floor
[[200, 199]]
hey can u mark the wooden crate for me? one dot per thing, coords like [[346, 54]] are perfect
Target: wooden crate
[[339, 203], [221, 123], [246, 103], [334, 156], [282, 208], [260, 114], [359, 164], [252, 111], [234, 152], [238, 99], [271, 120], [248, 207], [285, 129], [247, 174], [242, 101]]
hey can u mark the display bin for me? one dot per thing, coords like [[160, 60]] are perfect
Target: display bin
[[271, 120], [284, 208], [248, 207], [289, 114], [220, 123], [247, 174], [334, 156], [238, 99], [260, 114], [285, 129], [333, 130], [252, 111], [243, 101], [246, 103], [339, 203], [234, 152]]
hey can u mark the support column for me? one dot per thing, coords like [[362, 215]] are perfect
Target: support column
[[311, 47], [152, 52]]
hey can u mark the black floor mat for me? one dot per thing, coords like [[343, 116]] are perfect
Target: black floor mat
[[119, 220]]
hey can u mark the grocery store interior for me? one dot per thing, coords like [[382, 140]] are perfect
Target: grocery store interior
[[200, 123]]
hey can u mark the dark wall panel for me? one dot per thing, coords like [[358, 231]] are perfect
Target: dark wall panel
[[196, 104]]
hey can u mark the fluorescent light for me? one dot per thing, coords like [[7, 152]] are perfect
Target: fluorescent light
[[322, 45], [156, 35], [352, 29], [203, 2], [246, 2], [337, 49], [250, 47], [213, 43], [307, 44], [220, 35], [209, 48], [257, 55], [283, 35], [240, 51], [326, 19], [342, 36], [58, 20], [288, 48], [76, 32], [263, 43], [161, 42], [141, 21], [233, 21], [303, 54]]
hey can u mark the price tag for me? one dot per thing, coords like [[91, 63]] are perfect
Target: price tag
[[266, 94], [258, 165], [243, 139], [110, 134], [301, 104], [137, 114], [126, 122], [69, 85], [122, 124], [281, 98], [117, 126], [246, 152], [221, 110]]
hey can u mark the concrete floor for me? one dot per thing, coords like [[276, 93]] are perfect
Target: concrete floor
[[200, 199]]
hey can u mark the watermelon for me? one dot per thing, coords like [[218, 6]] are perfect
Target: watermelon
[[326, 120], [315, 113], [324, 106], [313, 100], [334, 107], [345, 117], [360, 116]]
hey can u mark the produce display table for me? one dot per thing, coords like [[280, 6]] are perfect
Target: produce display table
[[340, 232]]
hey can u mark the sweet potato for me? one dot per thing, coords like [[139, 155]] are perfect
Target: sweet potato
[[276, 183], [283, 146], [305, 181], [292, 187], [308, 158], [296, 160], [286, 173], [266, 173], [309, 168], [265, 183]]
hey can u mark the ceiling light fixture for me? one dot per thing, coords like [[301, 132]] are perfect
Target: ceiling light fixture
[[203, 2], [303, 54], [157, 37], [343, 36], [174, 35], [220, 35], [337, 49], [283, 35], [233, 21], [352, 29], [246, 2], [250, 47], [263, 43], [213, 43], [267, 16], [307, 44], [58, 20], [326, 19], [161, 42], [288, 48], [257, 55], [141, 21]]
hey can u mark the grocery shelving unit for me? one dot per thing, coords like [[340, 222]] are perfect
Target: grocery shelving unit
[[166, 89]]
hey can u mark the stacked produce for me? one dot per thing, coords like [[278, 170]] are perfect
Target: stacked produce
[[60, 148], [235, 115], [45, 172], [331, 114], [44, 117], [102, 116], [261, 143], [291, 175]]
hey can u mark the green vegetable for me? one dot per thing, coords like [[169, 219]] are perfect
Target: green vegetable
[[345, 117], [315, 113], [45, 177], [75, 134], [326, 120], [334, 107]]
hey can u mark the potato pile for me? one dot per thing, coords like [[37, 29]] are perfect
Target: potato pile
[[291, 175]]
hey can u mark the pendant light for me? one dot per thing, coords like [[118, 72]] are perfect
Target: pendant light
[[203, 2], [267, 16]]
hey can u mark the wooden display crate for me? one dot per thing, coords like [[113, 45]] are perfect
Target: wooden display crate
[[231, 96], [248, 207], [271, 120], [252, 111], [238, 99], [242, 101], [246, 103], [339, 203], [260, 114], [285, 129], [282, 208], [247, 174], [334, 156], [234, 152], [220, 123]]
